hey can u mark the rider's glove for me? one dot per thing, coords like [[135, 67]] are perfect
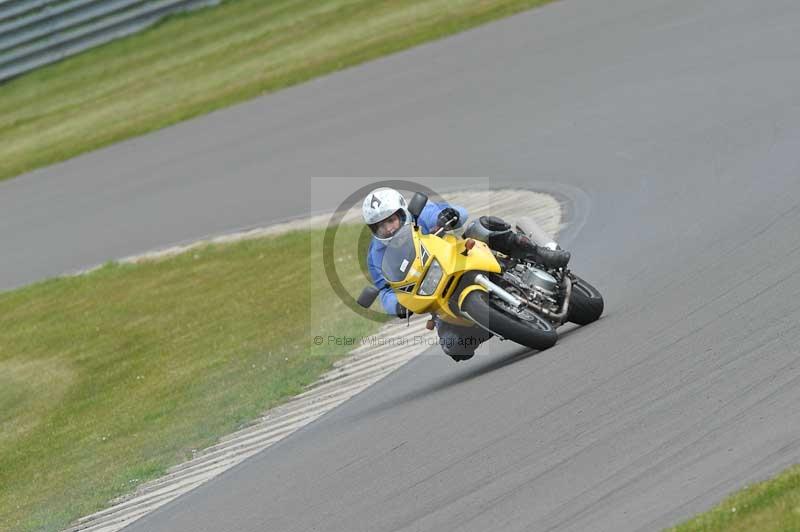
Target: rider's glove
[[552, 258], [448, 218], [402, 312]]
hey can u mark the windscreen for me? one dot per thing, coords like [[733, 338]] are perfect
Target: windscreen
[[400, 254]]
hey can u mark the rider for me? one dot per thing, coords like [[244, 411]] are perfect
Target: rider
[[385, 211]]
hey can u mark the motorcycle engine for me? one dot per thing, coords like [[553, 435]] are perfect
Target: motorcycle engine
[[540, 280]]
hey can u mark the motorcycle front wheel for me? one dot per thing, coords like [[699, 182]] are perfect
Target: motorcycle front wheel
[[526, 327]]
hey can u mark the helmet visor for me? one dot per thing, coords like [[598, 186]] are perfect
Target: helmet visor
[[387, 227]]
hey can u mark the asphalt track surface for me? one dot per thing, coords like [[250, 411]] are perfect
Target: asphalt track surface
[[671, 128]]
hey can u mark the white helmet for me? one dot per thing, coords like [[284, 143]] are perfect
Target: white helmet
[[379, 205]]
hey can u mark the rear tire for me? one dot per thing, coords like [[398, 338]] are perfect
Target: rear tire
[[585, 303], [537, 334]]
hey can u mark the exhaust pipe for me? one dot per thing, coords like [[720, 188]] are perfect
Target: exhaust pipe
[[500, 292], [517, 303], [562, 314]]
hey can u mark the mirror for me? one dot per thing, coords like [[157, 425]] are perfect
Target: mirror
[[417, 204]]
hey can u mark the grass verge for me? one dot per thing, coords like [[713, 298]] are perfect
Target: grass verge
[[197, 62], [108, 379], [773, 505]]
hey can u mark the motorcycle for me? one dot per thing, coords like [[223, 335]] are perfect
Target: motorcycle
[[462, 281]]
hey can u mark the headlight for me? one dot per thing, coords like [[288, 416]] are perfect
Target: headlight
[[431, 279]]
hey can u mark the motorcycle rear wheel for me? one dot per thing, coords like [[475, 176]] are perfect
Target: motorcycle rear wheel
[[534, 332], [585, 303]]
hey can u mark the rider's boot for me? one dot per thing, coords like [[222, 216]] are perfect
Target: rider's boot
[[498, 234], [519, 246]]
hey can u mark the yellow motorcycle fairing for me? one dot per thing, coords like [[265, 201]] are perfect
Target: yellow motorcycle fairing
[[415, 264]]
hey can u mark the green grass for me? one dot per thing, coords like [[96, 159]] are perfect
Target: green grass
[[197, 62], [769, 506], [108, 379]]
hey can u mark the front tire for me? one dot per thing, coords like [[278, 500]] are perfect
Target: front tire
[[585, 303], [535, 332]]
